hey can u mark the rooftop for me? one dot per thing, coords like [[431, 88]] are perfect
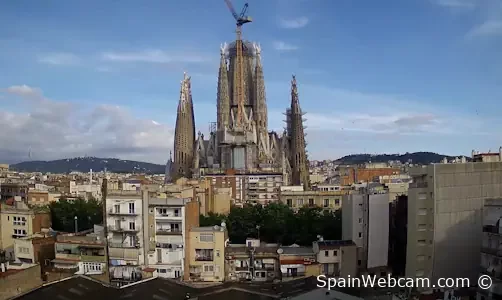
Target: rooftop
[[81, 287], [335, 243], [208, 228]]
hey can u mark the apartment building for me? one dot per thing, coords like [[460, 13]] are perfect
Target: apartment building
[[35, 249], [124, 219], [491, 249], [331, 200], [445, 203], [365, 220], [255, 261], [13, 189], [17, 220], [168, 222], [80, 254], [41, 197], [260, 188], [297, 261], [206, 253], [336, 257]]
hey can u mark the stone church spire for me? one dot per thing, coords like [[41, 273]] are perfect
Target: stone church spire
[[184, 136], [261, 101], [299, 162], [223, 96]]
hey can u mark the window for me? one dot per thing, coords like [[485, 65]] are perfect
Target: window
[[131, 208], [206, 237], [300, 202], [162, 271], [422, 227], [19, 232], [19, 221], [208, 268], [326, 202], [360, 220], [311, 202], [132, 225], [217, 253], [176, 212], [175, 227], [337, 201], [359, 262], [162, 211], [326, 253], [289, 202], [335, 252], [360, 234], [203, 254], [116, 209]]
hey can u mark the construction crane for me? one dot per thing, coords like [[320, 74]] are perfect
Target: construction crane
[[241, 19]]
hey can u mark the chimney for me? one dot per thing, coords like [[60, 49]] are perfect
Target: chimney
[[445, 160]]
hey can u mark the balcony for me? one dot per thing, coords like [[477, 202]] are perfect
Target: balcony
[[125, 254], [418, 185], [82, 258], [122, 245], [169, 231], [122, 229], [112, 212]]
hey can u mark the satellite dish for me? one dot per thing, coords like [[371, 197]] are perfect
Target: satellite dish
[[280, 251]]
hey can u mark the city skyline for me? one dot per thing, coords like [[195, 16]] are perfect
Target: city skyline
[[388, 78]]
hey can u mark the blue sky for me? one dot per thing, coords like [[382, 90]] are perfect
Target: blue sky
[[102, 77]]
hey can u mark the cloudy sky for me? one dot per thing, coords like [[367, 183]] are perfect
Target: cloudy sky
[[102, 78]]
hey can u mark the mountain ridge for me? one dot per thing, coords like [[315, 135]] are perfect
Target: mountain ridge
[[84, 164], [115, 165]]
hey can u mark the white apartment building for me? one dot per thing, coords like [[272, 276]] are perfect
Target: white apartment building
[[365, 220], [167, 231], [445, 203], [491, 254], [124, 219]]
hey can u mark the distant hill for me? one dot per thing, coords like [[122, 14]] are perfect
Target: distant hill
[[84, 164], [415, 157]]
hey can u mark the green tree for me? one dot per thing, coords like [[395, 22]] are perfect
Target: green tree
[[278, 223], [88, 213]]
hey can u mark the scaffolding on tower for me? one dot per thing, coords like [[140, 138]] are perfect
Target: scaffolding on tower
[[241, 19]]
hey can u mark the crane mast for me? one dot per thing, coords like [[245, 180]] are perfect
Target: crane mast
[[239, 73]]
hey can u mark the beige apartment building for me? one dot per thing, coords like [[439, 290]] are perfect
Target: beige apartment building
[[331, 200], [445, 203], [205, 253], [17, 221]]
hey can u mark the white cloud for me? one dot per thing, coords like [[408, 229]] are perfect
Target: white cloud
[[293, 23], [60, 59], [463, 4], [23, 90], [488, 28], [154, 56], [283, 46], [55, 130]]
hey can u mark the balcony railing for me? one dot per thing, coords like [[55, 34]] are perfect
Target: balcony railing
[[112, 212], [122, 229], [418, 185], [82, 258], [121, 245], [203, 258], [161, 231]]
